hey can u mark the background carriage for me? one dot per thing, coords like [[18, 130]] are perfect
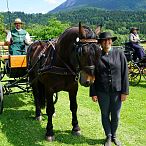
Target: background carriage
[[137, 68]]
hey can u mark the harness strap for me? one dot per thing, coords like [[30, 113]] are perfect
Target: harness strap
[[39, 57], [55, 70]]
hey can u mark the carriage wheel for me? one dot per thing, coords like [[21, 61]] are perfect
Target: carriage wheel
[[55, 97], [144, 72], [1, 99], [134, 74], [2, 69]]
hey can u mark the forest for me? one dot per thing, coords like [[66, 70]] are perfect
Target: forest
[[46, 26]]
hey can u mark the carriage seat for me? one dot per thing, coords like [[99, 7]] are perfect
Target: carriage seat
[[18, 61], [128, 47], [129, 52], [16, 66]]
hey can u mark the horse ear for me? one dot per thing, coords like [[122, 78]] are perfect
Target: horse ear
[[98, 29], [82, 32]]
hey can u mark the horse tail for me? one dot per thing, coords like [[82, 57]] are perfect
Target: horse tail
[[41, 96]]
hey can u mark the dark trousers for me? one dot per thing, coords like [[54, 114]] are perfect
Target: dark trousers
[[110, 105], [138, 50]]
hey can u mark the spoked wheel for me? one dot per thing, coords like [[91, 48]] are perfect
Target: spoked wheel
[[2, 69], [144, 72], [55, 97], [134, 74], [1, 99]]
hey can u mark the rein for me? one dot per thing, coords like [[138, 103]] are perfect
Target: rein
[[53, 69], [39, 57], [60, 70]]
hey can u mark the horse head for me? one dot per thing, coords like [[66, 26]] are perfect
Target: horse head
[[78, 48], [87, 53]]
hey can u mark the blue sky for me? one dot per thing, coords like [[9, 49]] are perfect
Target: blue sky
[[30, 6]]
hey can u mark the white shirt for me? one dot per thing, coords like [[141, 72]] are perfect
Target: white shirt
[[27, 37], [134, 38]]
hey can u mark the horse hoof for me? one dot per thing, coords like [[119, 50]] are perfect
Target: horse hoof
[[76, 133], [50, 138], [39, 118]]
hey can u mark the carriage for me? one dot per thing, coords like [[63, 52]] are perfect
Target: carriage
[[13, 75], [137, 68]]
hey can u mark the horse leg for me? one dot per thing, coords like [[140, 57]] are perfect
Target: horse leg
[[39, 99], [50, 111], [73, 108]]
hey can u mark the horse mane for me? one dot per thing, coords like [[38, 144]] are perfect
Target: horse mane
[[90, 34]]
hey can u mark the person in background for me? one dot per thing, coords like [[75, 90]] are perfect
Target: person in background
[[111, 86], [17, 39], [134, 42]]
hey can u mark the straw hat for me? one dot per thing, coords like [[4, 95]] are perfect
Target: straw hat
[[133, 28], [106, 35], [18, 21]]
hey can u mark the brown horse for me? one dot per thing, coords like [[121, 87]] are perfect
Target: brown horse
[[55, 66]]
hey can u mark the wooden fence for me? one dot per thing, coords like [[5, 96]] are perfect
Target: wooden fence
[[3, 50]]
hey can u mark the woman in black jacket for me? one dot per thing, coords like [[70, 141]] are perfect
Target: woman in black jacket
[[111, 85]]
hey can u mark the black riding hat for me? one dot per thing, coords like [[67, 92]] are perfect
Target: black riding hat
[[106, 35]]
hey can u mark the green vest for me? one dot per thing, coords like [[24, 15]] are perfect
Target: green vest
[[18, 47]]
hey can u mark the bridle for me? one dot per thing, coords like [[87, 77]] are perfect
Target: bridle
[[88, 41], [80, 43]]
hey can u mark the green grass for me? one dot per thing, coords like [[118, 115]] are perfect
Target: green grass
[[18, 128], [144, 45]]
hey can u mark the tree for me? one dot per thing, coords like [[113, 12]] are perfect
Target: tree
[[52, 30], [2, 31]]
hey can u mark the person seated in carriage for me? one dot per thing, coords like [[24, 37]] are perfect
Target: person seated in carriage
[[18, 39], [134, 41]]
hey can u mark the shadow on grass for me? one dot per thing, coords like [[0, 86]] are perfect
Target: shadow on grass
[[142, 84], [16, 100], [20, 128], [67, 138], [17, 123]]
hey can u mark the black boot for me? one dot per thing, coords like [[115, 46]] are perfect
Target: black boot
[[107, 141], [116, 141]]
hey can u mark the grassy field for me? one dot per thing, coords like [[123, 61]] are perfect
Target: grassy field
[[144, 45], [18, 128]]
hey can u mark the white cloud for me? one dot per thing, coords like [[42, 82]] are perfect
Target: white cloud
[[52, 1]]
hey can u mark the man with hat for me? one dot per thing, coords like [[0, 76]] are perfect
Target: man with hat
[[17, 39], [134, 43], [111, 85]]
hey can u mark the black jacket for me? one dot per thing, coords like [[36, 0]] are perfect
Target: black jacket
[[111, 73]]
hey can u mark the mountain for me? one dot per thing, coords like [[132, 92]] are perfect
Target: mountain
[[102, 4]]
